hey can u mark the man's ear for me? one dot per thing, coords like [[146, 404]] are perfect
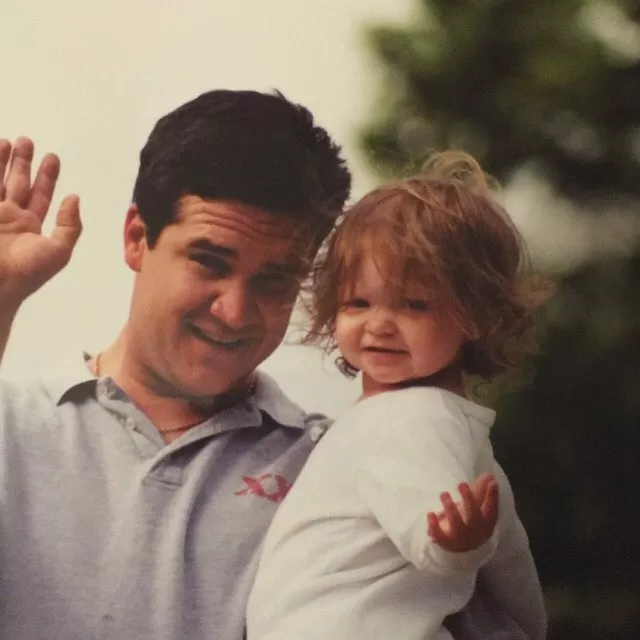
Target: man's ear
[[135, 238]]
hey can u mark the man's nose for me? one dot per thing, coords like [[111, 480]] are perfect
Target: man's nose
[[234, 306]]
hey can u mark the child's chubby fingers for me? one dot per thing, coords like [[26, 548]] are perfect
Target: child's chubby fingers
[[470, 505], [489, 506], [435, 531], [480, 485], [452, 514]]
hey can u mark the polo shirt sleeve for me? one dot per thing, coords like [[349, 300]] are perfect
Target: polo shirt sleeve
[[417, 446]]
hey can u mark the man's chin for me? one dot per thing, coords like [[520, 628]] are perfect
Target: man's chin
[[207, 389]]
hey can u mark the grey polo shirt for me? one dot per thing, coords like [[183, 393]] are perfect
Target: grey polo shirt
[[107, 532]]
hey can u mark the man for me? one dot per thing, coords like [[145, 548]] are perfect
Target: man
[[136, 487]]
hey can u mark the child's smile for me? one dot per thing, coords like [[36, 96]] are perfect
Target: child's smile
[[392, 342]]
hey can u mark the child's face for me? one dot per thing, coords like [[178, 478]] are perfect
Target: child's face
[[391, 343]]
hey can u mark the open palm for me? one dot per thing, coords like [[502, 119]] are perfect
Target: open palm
[[27, 258]]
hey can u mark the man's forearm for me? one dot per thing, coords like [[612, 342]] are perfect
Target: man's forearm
[[7, 316]]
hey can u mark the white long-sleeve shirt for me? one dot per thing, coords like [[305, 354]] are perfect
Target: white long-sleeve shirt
[[348, 556]]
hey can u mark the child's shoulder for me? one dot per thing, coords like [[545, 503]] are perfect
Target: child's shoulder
[[418, 413], [416, 416], [422, 401]]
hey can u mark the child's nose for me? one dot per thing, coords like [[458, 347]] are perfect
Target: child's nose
[[380, 321]]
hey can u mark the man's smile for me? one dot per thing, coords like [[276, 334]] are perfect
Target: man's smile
[[231, 344]]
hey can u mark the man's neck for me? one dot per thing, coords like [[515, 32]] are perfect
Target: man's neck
[[163, 411], [172, 416]]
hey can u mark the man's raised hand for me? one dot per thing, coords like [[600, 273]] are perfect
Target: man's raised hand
[[27, 258]]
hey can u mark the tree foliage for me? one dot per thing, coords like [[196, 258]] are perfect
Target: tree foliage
[[513, 82]]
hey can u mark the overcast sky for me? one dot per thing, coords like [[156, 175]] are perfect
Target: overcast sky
[[88, 80]]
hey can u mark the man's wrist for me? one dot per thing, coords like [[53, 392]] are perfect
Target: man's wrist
[[8, 311]]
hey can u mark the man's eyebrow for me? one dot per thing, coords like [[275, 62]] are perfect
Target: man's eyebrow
[[291, 267], [210, 247]]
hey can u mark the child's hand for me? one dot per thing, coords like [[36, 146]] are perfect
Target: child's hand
[[467, 524]]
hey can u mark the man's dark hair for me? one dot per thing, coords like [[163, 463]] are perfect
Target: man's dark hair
[[255, 148]]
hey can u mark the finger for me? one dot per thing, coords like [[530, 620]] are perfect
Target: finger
[[471, 513], [44, 185], [434, 530], [13, 219], [480, 484], [452, 514], [490, 505], [5, 154], [68, 224], [18, 180]]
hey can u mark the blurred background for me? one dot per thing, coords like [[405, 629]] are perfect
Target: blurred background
[[545, 94]]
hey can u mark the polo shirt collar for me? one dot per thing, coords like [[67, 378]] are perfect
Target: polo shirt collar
[[68, 376], [268, 398]]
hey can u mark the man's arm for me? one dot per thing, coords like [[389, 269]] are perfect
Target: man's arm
[[27, 258], [7, 315]]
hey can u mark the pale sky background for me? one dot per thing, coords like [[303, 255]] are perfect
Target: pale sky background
[[88, 80]]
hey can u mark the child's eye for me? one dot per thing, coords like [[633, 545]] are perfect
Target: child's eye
[[416, 305], [356, 303]]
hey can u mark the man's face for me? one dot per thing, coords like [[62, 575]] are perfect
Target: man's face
[[212, 299]]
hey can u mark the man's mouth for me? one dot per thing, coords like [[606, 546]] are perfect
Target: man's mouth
[[231, 344]]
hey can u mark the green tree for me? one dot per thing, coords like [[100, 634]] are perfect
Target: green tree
[[512, 82], [541, 83]]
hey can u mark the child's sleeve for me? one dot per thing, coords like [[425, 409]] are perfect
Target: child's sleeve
[[413, 454]]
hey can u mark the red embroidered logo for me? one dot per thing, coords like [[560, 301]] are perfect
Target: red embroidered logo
[[271, 486]]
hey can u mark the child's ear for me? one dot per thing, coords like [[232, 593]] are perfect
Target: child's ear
[[135, 238]]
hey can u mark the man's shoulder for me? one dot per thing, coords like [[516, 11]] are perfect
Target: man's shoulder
[[46, 387], [18, 389]]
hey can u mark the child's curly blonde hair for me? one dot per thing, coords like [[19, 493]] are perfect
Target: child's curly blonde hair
[[439, 233]]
